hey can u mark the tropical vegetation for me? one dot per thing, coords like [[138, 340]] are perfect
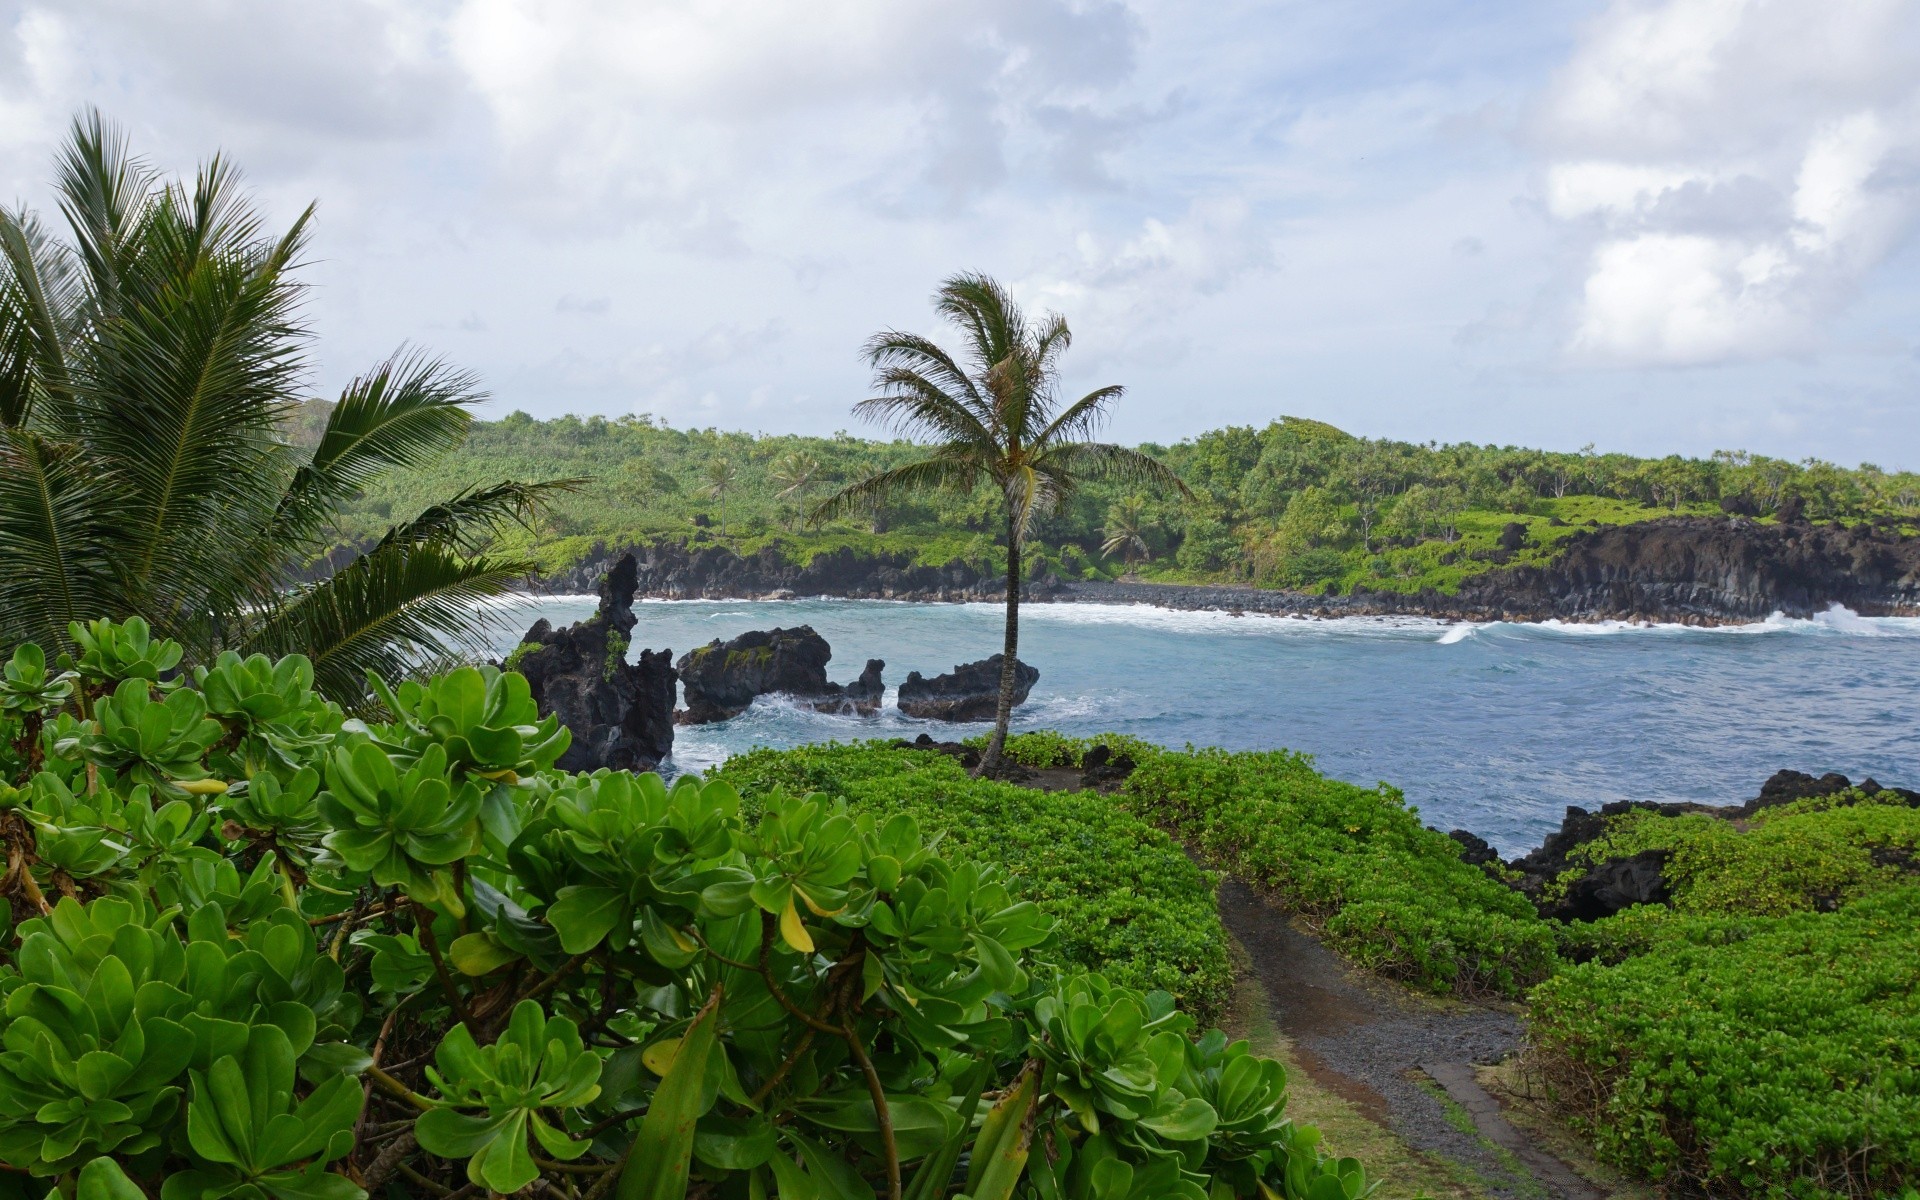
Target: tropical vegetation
[[251, 947], [1296, 504], [151, 368], [993, 420]]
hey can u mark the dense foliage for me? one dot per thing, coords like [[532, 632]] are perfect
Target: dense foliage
[[254, 948], [1383, 889], [1763, 1033], [1759, 1036], [150, 366], [1769, 1056], [1811, 854], [1128, 902], [1297, 504]]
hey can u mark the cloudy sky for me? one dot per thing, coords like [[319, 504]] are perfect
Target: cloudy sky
[[1650, 224]]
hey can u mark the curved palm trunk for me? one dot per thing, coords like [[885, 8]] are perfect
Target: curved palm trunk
[[1003, 716]]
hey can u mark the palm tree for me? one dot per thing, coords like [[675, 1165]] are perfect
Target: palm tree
[[721, 475], [149, 370], [1126, 531], [797, 474], [998, 420]]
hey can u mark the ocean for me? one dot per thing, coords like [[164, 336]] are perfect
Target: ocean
[[1496, 728]]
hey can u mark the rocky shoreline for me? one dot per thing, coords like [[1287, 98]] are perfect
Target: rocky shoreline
[[1688, 570]]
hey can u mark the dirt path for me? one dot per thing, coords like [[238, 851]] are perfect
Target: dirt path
[[1404, 1061]]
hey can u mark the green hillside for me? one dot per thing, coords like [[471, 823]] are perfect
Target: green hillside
[[1298, 504]]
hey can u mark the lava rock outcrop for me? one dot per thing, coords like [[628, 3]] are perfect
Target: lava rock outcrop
[[722, 679], [620, 712], [970, 692]]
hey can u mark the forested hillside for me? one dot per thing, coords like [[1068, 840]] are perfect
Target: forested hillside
[[1297, 504]]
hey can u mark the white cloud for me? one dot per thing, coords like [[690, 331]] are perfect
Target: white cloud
[[1738, 166], [685, 112]]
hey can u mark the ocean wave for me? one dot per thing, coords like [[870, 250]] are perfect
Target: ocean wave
[[1838, 620]]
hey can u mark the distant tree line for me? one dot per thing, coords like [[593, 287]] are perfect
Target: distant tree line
[[1296, 503]]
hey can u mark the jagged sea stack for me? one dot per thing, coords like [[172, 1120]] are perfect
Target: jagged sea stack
[[620, 712], [971, 692], [722, 678]]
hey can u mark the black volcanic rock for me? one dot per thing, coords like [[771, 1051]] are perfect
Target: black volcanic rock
[[1102, 769], [722, 678], [620, 713], [970, 692], [1707, 569], [1784, 787], [1474, 850], [674, 570], [1614, 885]]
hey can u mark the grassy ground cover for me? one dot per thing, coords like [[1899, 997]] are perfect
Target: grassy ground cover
[[1762, 1035], [1385, 890], [1128, 901], [1766, 1056]]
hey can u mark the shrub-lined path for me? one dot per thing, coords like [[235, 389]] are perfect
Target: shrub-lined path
[[1407, 1062]]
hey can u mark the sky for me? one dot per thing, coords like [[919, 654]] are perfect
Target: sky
[[1651, 225]]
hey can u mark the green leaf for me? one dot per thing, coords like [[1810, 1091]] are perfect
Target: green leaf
[[1189, 1121], [479, 953], [102, 1179], [733, 1145], [453, 1134], [663, 1149], [584, 916]]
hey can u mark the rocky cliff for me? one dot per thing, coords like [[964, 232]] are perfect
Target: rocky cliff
[[1701, 570], [675, 571]]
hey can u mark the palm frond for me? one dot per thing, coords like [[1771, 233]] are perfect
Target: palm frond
[[393, 610], [1032, 493], [1050, 341], [992, 323], [58, 543], [1103, 460], [891, 348], [949, 472], [914, 406], [404, 413], [38, 299], [106, 195], [184, 391], [1082, 419], [474, 517]]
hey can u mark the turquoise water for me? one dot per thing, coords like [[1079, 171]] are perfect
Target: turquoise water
[[1495, 728]]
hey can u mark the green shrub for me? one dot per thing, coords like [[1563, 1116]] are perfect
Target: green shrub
[[1386, 891], [249, 948], [1751, 1055], [1809, 855], [1128, 902]]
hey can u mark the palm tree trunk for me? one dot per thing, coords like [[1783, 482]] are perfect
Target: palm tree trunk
[[1003, 716]]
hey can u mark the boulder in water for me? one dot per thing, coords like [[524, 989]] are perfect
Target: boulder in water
[[970, 692], [620, 712], [723, 678]]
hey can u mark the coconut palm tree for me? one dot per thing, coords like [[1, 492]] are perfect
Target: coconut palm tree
[[149, 369], [721, 475], [796, 474], [993, 415], [1126, 531]]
